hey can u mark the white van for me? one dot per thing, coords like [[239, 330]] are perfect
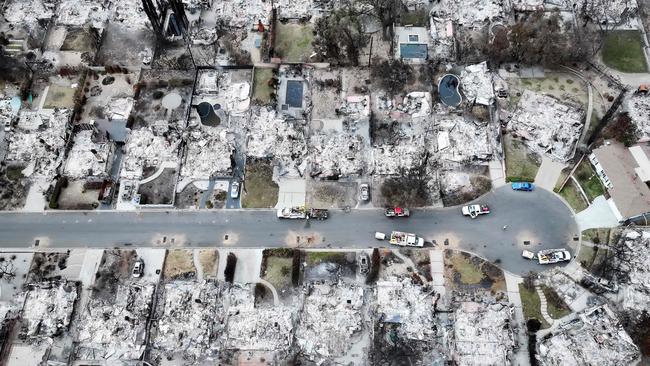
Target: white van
[[380, 236]]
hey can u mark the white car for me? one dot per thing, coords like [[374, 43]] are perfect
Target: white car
[[234, 189], [550, 256], [364, 192], [7, 126], [138, 268]]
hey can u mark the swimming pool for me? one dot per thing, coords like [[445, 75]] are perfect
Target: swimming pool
[[448, 90]]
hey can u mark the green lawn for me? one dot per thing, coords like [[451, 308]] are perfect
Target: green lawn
[[596, 236], [293, 42], [278, 271], [521, 164], [260, 189], [470, 274], [588, 180], [530, 305], [261, 89], [321, 257], [592, 258], [623, 51], [555, 306], [571, 194]]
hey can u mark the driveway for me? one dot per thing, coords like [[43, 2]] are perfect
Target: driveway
[[537, 217]]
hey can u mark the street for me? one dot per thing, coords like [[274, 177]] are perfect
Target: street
[[536, 217]]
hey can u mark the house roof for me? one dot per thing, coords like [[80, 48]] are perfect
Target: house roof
[[629, 192]]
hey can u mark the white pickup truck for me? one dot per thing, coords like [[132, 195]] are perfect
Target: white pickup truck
[[406, 239], [474, 210], [550, 256], [292, 213]]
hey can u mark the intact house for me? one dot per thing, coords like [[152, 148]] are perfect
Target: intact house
[[626, 174]]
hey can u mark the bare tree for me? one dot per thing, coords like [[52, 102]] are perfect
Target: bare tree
[[7, 270]]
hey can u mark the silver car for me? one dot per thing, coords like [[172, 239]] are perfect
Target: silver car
[[234, 189], [364, 192]]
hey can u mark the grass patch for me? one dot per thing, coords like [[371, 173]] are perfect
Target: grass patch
[[530, 305], [209, 259], [179, 263], [416, 18], [14, 172], [623, 51], [260, 189], [563, 174], [592, 258], [571, 194], [470, 274], [596, 236], [588, 180], [322, 257], [261, 89], [555, 306], [278, 271], [521, 164], [59, 97], [293, 42]]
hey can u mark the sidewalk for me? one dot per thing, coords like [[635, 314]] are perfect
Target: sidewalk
[[521, 356]]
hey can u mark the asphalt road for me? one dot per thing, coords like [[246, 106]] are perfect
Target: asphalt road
[[538, 217]]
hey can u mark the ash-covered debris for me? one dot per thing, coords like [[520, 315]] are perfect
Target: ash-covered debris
[[410, 305], [464, 140], [89, 156], [81, 12], [638, 108], [130, 13], [337, 154], [243, 13], [470, 13], [272, 136], [476, 81], [146, 148], [47, 309], [191, 323], [483, 334], [115, 330], [631, 266], [38, 142], [28, 12], [568, 289], [256, 328], [549, 126], [330, 321], [208, 152], [613, 12], [118, 108], [414, 104], [596, 338]]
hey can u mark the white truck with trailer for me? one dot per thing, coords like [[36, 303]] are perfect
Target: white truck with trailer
[[406, 239]]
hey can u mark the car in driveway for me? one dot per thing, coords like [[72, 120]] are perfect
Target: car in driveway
[[364, 192], [234, 189], [522, 186], [138, 268]]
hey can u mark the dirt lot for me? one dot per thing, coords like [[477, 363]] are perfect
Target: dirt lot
[[323, 194], [261, 89], [114, 267], [293, 42], [75, 197], [179, 264], [521, 164], [189, 197], [159, 191]]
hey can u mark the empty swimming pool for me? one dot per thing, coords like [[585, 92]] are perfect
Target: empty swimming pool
[[448, 90]]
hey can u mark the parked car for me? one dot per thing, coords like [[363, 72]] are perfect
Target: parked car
[[234, 189], [364, 192], [7, 126], [474, 211], [523, 186], [138, 268], [397, 212], [364, 263]]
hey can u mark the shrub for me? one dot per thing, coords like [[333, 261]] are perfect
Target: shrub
[[295, 268], [375, 262], [231, 263]]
